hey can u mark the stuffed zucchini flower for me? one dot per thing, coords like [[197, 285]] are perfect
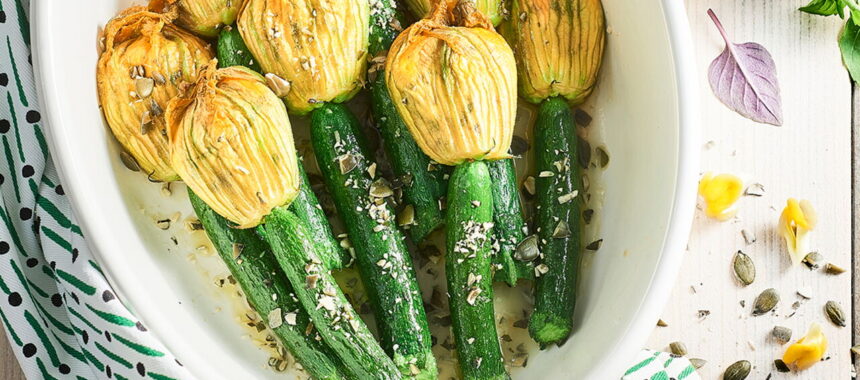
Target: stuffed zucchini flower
[[453, 80], [494, 9], [558, 46], [231, 142], [145, 61], [203, 17], [317, 47]]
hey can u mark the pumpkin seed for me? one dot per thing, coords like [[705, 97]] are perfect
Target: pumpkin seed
[[519, 145], [278, 85], [380, 189], [856, 350], [406, 216], [749, 237], [584, 152], [781, 366], [581, 118], [662, 323], [678, 348], [275, 319], [145, 122], [765, 301], [781, 334], [237, 250], [595, 245], [737, 371], [602, 157], [754, 190], [347, 162], [143, 87], [587, 215], [812, 260], [128, 161], [744, 268], [835, 313], [154, 108], [529, 185], [527, 250], [561, 230], [833, 269], [698, 363]]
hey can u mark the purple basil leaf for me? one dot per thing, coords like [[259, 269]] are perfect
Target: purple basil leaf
[[743, 77]]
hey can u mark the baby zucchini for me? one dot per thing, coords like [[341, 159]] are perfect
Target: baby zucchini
[[559, 195], [509, 228], [469, 273], [424, 183], [382, 258], [337, 323], [267, 290]]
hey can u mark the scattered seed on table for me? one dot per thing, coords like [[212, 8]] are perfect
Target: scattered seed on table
[[765, 301], [737, 371]]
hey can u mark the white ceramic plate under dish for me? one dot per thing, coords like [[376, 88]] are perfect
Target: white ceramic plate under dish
[[645, 108]]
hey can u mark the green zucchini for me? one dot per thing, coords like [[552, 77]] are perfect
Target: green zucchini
[[308, 209], [559, 196], [424, 182], [509, 228], [468, 269], [337, 323], [381, 255], [267, 290], [232, 51]]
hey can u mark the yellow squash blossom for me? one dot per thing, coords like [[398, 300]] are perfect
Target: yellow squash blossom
[[558, 45], [204, 17], [494, 9], [797, 219], [231, 142], [145, 61], [808, 350], [453, 80], [317, 47], [720, 193]]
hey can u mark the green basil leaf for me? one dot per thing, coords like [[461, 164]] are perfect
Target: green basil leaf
[[849, 45], [825, 7]]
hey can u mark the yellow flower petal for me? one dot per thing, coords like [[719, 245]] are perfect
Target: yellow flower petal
[[796, 220], [808, 350], [720, 193]]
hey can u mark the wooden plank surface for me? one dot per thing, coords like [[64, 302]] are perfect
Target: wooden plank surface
[[809, 157], [9, 368]]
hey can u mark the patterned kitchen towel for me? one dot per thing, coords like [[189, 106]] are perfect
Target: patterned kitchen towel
[[654, 365], [60, 314], [58, 310]]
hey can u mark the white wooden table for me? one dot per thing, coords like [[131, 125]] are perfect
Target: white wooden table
[[809, 157]]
